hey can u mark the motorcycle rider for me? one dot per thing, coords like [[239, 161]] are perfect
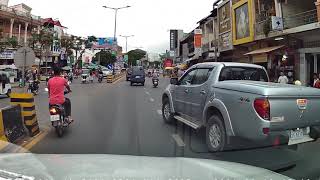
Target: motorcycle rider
[[155, 76], [100, 73], [56, 87]]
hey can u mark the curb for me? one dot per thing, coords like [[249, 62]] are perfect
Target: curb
[[24, 144]]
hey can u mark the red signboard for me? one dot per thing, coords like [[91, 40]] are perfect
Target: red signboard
[[168, 63], [197, 40]]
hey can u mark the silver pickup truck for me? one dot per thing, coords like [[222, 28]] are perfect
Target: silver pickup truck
[[237, 100]]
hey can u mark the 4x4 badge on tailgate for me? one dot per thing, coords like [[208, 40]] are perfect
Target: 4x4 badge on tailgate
[[302, 104]]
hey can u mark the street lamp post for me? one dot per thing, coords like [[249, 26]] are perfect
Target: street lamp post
[[126, 40], [115, 22]]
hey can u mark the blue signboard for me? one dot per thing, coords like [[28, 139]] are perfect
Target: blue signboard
[[109, 66]]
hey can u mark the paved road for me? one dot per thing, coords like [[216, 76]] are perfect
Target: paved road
[[120, 119]]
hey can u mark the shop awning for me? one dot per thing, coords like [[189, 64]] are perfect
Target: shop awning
[[264, 50]]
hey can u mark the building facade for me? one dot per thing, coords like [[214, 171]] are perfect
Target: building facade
[[281, 35], [16, 24]]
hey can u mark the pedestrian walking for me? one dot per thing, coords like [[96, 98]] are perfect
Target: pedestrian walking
[[316, 81], [283, 78]]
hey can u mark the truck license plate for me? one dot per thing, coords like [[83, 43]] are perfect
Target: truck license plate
[[296, 134], [137, 76], [55, 117]]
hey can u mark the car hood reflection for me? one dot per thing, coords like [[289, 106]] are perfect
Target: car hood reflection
[[43, 166]]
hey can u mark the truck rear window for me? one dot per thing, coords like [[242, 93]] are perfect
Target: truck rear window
[[243, 73]]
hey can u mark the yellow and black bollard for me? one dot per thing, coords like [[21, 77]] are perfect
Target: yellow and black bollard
[[109, 78], [26, 101]]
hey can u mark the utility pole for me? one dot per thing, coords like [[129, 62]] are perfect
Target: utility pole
[[115, 23], [126, 36]]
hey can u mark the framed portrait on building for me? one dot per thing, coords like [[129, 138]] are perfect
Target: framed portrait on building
[[243, 31]]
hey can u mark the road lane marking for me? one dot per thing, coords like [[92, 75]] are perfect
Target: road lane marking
[[118, 80], [147, 93], [159, 112], [178, 140], [151, 99]]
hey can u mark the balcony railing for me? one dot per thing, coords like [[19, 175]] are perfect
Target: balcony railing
[[300, 19], [19, 13], [296, 20]]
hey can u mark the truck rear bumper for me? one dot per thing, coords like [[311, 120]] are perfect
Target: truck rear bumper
[[283, 137]]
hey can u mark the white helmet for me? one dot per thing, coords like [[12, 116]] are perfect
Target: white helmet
[[298, 83]]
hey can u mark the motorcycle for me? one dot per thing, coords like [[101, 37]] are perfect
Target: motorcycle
[[155, 82], [100, 77], [70, 77], [84, 78], [91, 79], [58, 119], [33, 87]]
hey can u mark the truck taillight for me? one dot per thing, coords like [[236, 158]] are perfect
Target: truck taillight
[[262, 107]]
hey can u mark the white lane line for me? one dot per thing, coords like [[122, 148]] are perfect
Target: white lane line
[[159, 112], [147, 93], [178, 140], [151, 99]]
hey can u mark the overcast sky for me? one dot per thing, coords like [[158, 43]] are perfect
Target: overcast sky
[[148, 20]]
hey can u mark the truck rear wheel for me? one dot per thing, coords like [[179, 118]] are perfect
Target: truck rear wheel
[[216, 137]]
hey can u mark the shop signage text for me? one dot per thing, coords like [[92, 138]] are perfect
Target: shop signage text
[[7, 55]]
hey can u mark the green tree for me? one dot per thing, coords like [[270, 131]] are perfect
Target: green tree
[[12, 42], [163, 56], [42, 41], [77, 47], [67, 42], [104, 58], [135, 55], [157, 64]]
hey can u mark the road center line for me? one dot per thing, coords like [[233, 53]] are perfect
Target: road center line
[[159, 112], [151, 99], [147, 93], [178, 140]]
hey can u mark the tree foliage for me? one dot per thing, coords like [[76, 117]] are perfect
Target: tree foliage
[[163, 56], [105, 58], [67, 42], [42, 41], [135, 55]]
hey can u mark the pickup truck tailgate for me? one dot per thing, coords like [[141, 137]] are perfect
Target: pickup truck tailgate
[[294, 112]]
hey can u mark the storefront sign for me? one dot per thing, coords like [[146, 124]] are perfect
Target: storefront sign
[[224, 17], [173, 39], [224, 20], [243, 30], [225, 41], [260, 58], [7, 55], [277, 23], [168, 63], [198, 42]]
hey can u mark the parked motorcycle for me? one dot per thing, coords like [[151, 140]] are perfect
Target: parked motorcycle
[[58, 119], [100, 78], [33, 87], [155, 82]]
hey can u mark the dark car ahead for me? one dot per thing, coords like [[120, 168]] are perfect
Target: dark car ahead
[[128, 75], [137, 75]]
